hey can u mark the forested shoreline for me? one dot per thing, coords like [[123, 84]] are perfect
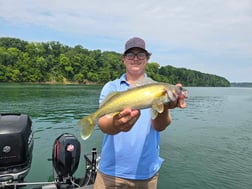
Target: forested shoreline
[[241, 84], [53, 62]]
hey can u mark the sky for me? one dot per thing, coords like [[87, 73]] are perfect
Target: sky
[[212, 37]]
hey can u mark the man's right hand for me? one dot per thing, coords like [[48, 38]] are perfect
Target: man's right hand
[[126, 119]]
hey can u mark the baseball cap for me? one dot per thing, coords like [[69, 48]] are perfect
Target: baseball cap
[[135, 42]]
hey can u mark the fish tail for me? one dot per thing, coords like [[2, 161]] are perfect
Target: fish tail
[[87, 125]]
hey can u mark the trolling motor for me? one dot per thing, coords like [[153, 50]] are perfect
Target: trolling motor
[[92, 161]]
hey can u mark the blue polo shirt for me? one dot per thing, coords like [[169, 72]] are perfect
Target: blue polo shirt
[[133, 154]]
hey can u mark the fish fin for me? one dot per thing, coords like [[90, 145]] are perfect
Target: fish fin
[[142, 81], [154, 114], [171, 95], [112, 114], [87, 125], [147, 80], [157, 108]]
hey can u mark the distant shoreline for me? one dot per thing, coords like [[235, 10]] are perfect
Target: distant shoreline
[[241, 84]]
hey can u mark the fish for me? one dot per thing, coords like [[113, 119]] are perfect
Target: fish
[[149, 95]]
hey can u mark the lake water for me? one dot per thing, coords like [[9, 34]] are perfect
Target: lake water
[[208, 145]]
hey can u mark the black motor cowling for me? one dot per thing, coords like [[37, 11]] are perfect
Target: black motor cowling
[[16, 145], [66, 155]]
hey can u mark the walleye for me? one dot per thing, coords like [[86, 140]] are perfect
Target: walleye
[[151, 95]]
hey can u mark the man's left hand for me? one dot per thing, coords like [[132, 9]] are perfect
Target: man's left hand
[[179, 102]]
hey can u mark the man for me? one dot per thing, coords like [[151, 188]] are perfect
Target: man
[[130, 151]]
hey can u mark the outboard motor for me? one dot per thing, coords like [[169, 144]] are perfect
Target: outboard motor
[[16, 145], [65, 157]]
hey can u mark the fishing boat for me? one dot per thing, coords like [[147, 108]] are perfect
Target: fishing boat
[[16, 146]]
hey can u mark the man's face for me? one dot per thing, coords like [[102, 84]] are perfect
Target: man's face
[[135, 61]]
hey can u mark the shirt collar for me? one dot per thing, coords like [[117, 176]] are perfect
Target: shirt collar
[[123, 79]]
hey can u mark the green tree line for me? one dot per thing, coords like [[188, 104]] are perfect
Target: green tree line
[[22, 61]]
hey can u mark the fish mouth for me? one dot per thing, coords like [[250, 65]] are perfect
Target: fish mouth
[[183, 93]]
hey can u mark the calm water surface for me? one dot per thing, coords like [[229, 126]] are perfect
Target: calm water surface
[[208, 145]]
